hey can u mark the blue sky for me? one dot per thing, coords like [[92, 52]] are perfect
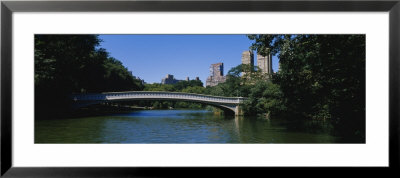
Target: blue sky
[[152, 57]]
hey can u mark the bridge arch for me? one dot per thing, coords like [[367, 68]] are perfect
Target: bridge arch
[[228, 104]]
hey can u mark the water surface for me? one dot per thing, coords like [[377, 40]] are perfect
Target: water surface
[[173, 126]]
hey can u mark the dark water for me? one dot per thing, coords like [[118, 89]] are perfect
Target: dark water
[[173, 126]]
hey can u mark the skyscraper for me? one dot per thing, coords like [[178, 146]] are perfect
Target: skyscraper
[[217, 69], [247, 58], [216, 74], [265, 63]]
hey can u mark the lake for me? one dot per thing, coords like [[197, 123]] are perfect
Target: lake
[[175, 126]]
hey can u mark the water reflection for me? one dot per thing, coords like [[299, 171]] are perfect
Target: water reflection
[[172, 126]]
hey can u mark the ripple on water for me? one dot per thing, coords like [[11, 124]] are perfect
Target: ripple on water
[[170, 126]]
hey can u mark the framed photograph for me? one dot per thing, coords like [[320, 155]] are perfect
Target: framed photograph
[[104, 88]]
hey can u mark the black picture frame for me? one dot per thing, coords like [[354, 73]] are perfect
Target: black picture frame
[[8, 7]]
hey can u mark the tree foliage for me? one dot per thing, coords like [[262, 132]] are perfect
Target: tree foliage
[[66, 64], [239, 81], [321, 77], [196, 86], [265, 98], [191, 86]]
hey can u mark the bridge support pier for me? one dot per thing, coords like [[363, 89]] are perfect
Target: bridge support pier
[[238, 111]]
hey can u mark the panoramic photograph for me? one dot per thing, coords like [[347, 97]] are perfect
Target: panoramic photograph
[[199, 88]]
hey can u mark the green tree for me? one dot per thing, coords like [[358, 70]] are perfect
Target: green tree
[[265, 97], [159, 87], [184, 84], [192, 86], [194, 89], [66, 64], [321, 77], [239, 81]]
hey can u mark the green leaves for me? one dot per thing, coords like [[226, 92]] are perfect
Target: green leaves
[[66, 64], [194, 89], [192, 86], [321, 77], [74, 62], [265, 97]]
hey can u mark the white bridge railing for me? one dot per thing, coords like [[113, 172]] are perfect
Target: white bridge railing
[[137, 95]]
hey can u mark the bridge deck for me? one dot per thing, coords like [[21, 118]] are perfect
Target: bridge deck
[[137, 95]]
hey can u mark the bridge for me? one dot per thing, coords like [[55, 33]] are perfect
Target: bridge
[[225, 103]]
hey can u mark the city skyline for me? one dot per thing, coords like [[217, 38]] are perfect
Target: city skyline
[[152, 57]]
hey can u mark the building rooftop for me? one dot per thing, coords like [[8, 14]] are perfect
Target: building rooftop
[[220, 63]]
